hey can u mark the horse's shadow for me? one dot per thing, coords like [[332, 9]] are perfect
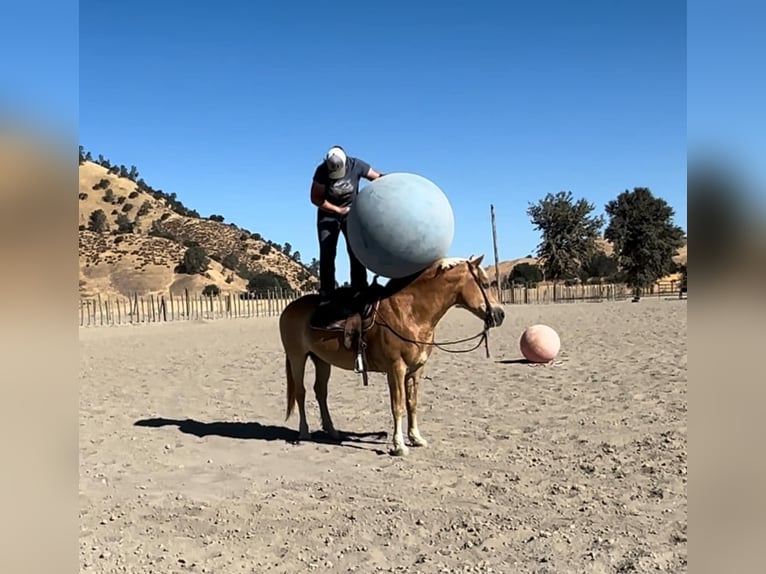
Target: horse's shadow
[[257, 431]]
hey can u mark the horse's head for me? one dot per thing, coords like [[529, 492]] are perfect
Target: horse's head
[[474, 292]]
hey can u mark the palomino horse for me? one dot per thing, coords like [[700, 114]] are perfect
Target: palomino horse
[[399, 340]]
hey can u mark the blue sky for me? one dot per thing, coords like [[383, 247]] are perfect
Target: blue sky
[[232, 105]]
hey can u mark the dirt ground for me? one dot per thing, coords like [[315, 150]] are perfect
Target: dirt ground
[[187, 464]]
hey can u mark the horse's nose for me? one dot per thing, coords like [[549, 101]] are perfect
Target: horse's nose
[[499, 315]]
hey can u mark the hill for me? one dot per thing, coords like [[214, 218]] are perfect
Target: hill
[[505, 267], [137, 240]]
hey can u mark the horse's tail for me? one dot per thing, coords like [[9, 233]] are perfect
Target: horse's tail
[[290, 387]]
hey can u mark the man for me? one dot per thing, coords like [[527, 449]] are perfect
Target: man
[[334, 187]]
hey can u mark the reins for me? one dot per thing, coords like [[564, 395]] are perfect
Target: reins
[[483, 336]]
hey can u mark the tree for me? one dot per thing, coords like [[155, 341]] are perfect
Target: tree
[[262, 281], [644, 236], [525, 273], [569, 233], [97, 221], [297, 256], [600, 265], [145, 208], [211, 290], [287, 249], [195, 260], [314, 267], [125, 225], [230, 261]]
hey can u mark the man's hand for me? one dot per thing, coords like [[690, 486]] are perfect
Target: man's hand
[[343, 210]]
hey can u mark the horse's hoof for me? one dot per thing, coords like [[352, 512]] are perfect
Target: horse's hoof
[[399, 451], [418, 441], [304, 437]]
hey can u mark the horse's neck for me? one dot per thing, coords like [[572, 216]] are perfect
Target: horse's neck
[[426, 301]]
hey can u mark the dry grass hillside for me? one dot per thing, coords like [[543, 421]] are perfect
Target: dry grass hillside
[[505, 267], [144, 240]]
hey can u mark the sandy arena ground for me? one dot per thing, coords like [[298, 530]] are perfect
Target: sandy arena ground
[[187, 465]]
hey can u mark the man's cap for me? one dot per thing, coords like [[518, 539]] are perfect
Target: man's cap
[[336, 162]]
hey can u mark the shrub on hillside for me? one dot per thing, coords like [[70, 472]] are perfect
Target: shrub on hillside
[[195, 260], [127, 207], [157, 230], [231, 261], [266, 280], [125, 225], [102, 184], [97, 221], [133, 194], [211, 290], [146, 206]]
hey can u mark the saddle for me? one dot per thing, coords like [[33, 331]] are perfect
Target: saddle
[[351, 312]]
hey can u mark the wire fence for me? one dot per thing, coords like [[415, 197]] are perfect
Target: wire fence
[[162, 308], [138, 309], [560, 293]]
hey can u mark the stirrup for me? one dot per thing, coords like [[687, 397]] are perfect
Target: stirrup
[[360, 364]]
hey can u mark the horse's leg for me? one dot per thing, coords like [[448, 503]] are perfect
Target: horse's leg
[[298, 368], [322, 369], [413, 381], [396, 391]]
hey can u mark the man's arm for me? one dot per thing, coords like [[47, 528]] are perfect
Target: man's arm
[[317, 198], [373, 175]]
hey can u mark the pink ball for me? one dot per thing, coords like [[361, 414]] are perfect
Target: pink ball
[[539, 344]]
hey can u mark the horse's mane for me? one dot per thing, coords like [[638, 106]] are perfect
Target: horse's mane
[[449, 262], [395, 285]]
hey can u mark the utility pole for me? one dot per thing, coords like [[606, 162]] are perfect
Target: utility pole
[[494, 245]]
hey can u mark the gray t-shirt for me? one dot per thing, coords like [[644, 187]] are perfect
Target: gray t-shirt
[[341, 191]]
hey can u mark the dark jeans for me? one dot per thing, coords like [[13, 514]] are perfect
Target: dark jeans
[[329, 228]]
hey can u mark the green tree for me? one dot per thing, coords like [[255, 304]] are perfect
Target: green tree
[[569, 233], [297, 256], [644, 236], [195, 260], [97, 221], [230, 261], [600, 265], [264, 280], [124, 225], [145, 208], [211, 290], [525, 273], [314, 267]]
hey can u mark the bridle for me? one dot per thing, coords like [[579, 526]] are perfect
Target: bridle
[[483, 336]]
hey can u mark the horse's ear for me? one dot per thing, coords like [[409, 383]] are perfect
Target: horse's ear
[[476, 262]]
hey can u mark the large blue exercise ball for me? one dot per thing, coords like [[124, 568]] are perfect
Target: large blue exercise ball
[[399, 224]]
